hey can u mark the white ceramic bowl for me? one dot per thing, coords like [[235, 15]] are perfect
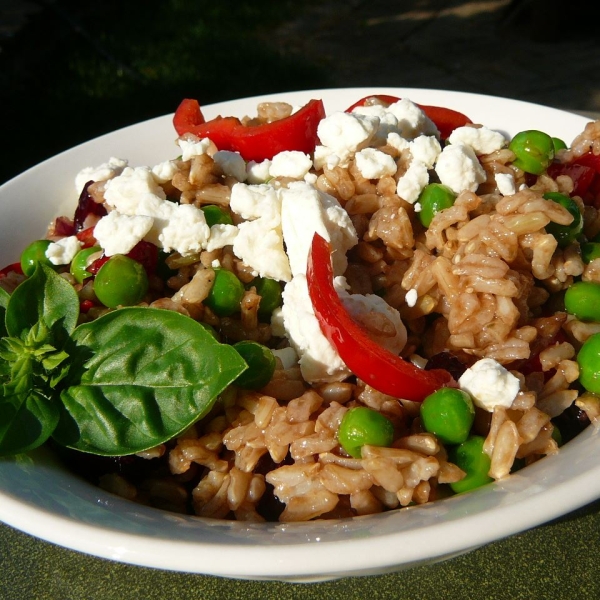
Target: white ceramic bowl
[[40, 497]]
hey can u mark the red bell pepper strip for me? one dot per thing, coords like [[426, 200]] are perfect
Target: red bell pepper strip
[[260, 142], [14, 268], [187, 115], [375, 365], [445, 119]]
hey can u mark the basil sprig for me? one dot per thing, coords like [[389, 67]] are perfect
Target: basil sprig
[[130, 380]]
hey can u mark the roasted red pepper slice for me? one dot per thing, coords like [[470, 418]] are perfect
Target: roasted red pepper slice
[[260, 142], [187, 115], [14, 268], [445, 119], [376, 366]]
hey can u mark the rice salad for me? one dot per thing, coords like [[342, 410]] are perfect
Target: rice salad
[[306, 316]]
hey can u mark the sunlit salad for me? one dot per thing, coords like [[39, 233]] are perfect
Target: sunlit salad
[[309, 316]]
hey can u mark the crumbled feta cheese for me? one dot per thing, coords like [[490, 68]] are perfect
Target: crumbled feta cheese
[[506, 184], [118, 233], [458, 168], [254, 201], [133, 185], [164, 171], [388, 123], [425, 149], [259, 242], [345, 133], [395, 140], [311, 178], [258, 172], [231, 163], [287, 356], [489, 384], [292, 164], [63, 251], [277, 327], [374, 164], [192, 146], [105, 171], [221, 235], [319, 361], [411, 297], [411, 184], [186, 231], [325, 157], [365, 306], [481, 139], [417, 207], [412, 121], [306, 210]]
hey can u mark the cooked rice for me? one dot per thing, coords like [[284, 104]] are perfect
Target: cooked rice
[[481, 271]]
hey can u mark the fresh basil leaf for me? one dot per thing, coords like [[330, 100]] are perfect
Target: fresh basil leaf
[[139, 377], [4, 298], [47, 297], [27, 418]]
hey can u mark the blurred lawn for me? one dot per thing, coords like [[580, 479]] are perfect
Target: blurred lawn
[[81, 69]]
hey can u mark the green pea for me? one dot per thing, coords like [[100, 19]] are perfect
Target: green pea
[[120, 281], [533, 150], [82, 261], [582, 300], [225, 294], [470, 457], [434, 198], [558, 144], [362, 426], [588, 359], [261, 365], [215, 215], [448, 413], [33, 255], [590, 251], [269, 291], [565, 234]]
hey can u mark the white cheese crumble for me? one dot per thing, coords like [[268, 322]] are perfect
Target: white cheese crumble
[[231, 163], [374, 164], [63, 251], [425, 149], [118, 233], [192, 146], [258, 172], [108, 170], [319, 361], [506, 184], [412, 121], [306, 210], [489, 384], [411, 184], [458, 168], [363, 306], [343, 134], [164, 171], [292, 164], [481, 139], [259, 242]]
